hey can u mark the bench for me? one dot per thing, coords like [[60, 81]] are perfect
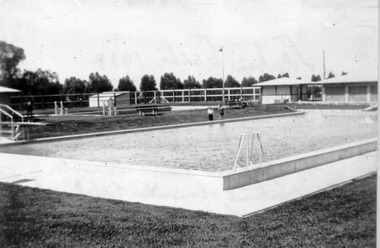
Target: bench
[[144, 110], [236, 104]]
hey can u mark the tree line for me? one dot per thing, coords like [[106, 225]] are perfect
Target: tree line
[[46, 82]]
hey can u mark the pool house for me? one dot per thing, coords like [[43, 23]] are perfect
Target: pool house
[[349, 88], [7, 93], [282, 90]]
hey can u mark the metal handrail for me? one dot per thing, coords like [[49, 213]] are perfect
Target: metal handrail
[[249, 149], [6, 113], [14, 111], [10, 116]]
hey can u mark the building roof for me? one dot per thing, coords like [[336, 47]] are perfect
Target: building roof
[[282, 81], [350, 78], [4, 89]]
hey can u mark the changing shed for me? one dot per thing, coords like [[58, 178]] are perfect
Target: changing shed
[[283, 90], [118, 97], [350, 88]]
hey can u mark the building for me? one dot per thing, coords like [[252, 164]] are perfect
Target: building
[[283, 90], [118, 98], [350, 88], [6, 94]]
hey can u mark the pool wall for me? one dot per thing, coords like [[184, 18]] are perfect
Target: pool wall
[[226, 180], [194, 190], [278, 168]]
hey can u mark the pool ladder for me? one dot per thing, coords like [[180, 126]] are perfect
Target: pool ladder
[[249, 149]]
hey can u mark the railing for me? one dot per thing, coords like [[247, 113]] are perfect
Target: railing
[[13, 111], [249, 149], [15, 129]]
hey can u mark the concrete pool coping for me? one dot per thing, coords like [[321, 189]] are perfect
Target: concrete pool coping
[[147, 129], [281, 167], [160, 186]]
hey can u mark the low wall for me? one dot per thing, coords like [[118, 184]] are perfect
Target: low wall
[[278, 168]]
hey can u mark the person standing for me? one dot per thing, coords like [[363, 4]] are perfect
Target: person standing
[[221, 112], [29, 110], [210, 113]]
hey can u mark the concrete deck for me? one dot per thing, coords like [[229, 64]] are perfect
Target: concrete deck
[[194, 190]]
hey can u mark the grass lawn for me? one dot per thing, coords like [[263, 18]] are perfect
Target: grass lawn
[[341, 217], [76, 124], [73, 124]]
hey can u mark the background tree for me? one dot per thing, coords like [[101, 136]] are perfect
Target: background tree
[[99, 83], [48, 82], [331, 75], [231, 82], [126, 84], [212, 82], [74, 85], [27, 82], [283, 75], [344, 73], [39, 82], [148, 83], [10, 57], [169, 82], [315, 78], [248, 82], [266, 77], [191, 83]]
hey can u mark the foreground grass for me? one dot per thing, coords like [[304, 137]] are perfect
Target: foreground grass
[[342, 217], [68, 125]]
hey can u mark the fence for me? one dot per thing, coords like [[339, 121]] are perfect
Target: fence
[[197, 95], [47, 101], [123, 98]]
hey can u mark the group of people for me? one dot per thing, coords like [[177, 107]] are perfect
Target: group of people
[[210, 112]]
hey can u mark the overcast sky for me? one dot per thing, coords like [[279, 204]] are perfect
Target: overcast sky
[[119, 38]]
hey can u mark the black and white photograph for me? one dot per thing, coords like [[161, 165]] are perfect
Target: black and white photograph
[[189, 123]]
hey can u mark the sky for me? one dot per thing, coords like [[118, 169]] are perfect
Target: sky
[[137, 37]]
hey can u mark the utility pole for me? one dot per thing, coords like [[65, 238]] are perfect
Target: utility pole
[[221, 50], [324, 66]]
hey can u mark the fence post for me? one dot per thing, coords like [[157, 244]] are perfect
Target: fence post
[[61, 109], [205, 90], [98, 100], [110, 103], [42, 102], [189, 95], [155, 97], [173, 96], [114, 99], [22, 102], [55, 107]]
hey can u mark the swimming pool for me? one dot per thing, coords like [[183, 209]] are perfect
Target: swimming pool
[[214, 147]]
